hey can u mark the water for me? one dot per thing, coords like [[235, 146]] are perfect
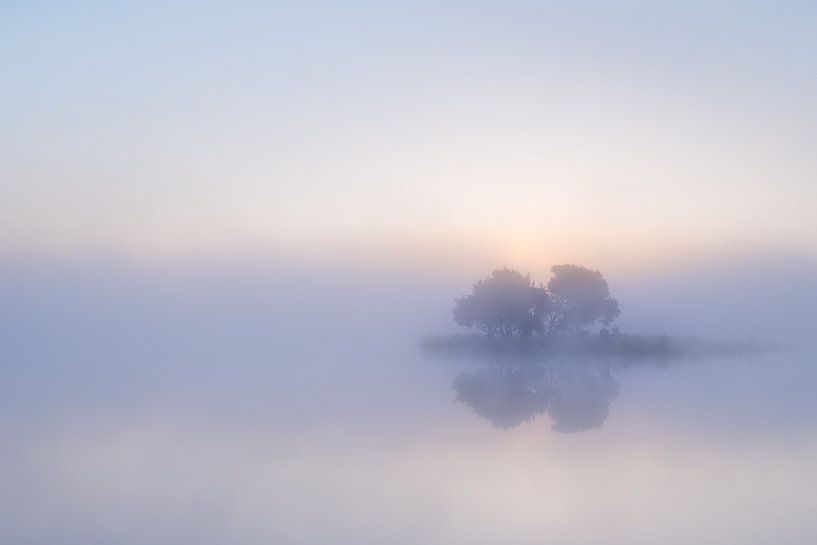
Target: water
[[268, 406]]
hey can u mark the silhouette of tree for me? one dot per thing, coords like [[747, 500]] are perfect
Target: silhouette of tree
[[579, 297], [506, 303], [509, 304]]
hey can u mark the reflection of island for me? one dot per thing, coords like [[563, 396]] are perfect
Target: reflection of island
[[549, 349], [576, 395]]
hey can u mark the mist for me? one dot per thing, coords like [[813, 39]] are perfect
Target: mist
[[422, 273], [260, 400]]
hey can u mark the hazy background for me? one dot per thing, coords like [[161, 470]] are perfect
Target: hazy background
[[613, 130], [225, 226]]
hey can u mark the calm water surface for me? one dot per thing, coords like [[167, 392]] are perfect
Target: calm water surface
[[279, 410]]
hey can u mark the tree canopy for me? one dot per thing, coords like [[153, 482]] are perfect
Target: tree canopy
[[579, 297], [509, 304], [506, 303]]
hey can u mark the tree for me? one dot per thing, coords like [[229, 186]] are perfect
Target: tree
[[511, 305], [506, 303], [579, 298]]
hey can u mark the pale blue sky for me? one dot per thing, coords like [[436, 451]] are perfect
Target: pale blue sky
[[159, 128]]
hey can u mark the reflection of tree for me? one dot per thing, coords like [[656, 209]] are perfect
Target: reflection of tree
[[505, 395], [576, 395], [583, 396]]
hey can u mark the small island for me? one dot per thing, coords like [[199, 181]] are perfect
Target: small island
[[552, 348]]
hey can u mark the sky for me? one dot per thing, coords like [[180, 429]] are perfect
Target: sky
[[530, 132]]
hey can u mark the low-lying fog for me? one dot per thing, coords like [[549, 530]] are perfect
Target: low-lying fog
[[259, 403]]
